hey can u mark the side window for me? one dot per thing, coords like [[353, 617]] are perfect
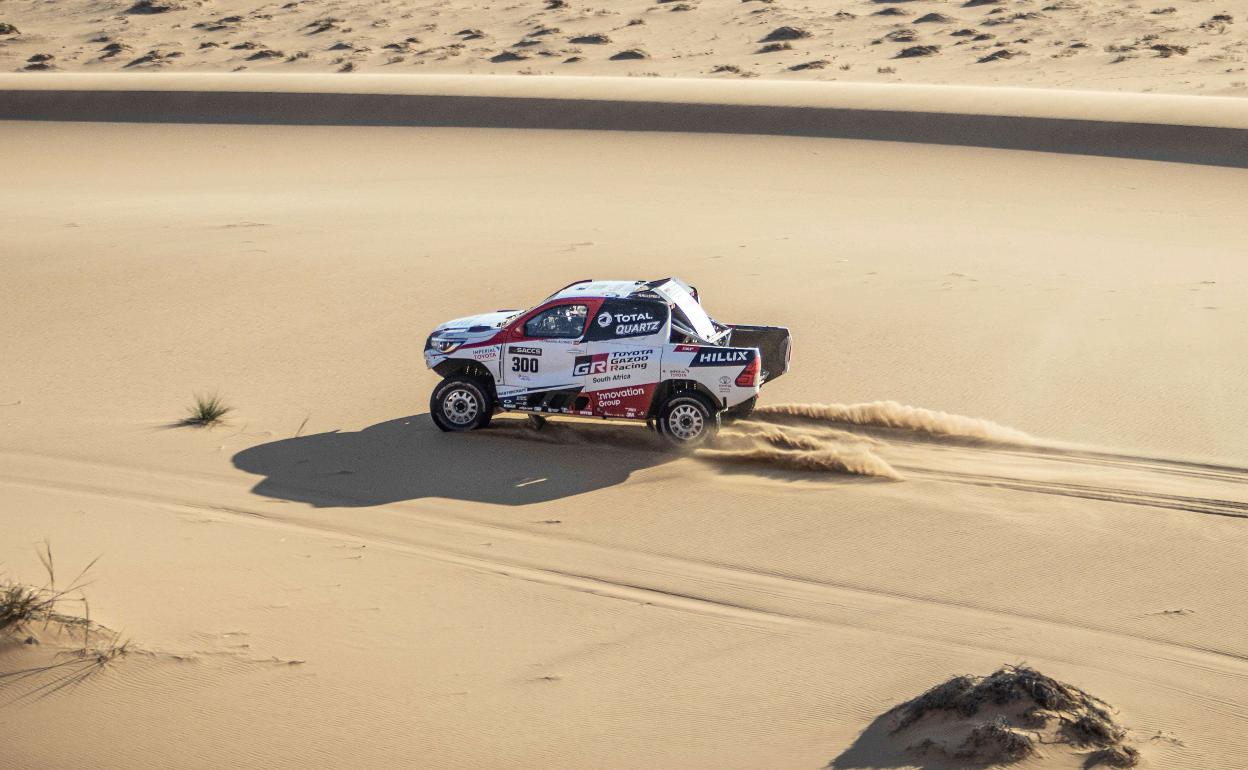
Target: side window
[[626, 318], [559, 322]]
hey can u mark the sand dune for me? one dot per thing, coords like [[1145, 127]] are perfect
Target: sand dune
[[1194, 48], [1190, 130], [1012, 432]]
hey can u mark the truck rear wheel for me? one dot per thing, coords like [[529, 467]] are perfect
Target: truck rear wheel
[[461, 403], [688, 420]]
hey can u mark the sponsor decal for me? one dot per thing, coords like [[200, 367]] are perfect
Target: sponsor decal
[[678, 374], [548, 400], [621, 319], [630, 359], [633, 324], [612, 378], [595, 364], [720, 357], [518, 350], [621, 393], [616, 366], [630, 324], [524, 364], [637, 329], [687, 348], [608, 398], [612, 366], [627, 318], [629, 401], [484, 354]]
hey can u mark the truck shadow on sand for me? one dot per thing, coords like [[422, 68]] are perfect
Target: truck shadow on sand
[[509, 463]]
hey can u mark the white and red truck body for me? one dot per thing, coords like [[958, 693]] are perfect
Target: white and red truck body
[[636, 341]]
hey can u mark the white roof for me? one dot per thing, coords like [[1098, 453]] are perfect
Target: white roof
[[599, 289]]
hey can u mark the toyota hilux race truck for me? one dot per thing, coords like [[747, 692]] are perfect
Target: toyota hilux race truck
[[631, 350]]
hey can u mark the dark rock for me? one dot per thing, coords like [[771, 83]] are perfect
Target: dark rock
[[918, 50], [785, 33], [153, 6]]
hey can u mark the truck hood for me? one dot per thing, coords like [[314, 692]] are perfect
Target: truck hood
[[472, 325]]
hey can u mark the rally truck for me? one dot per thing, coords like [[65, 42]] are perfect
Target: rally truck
[[624, 350]]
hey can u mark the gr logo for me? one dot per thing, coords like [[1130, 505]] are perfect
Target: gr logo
[[595, 364], [605, 319]]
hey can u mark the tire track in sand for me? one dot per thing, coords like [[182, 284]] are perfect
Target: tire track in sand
[[729, 593], [943, 447]]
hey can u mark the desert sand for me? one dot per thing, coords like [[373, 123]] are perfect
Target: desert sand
[[1012, 433], [1192, 47]]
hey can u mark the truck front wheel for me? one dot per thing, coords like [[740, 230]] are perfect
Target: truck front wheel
[[688, 420], [461, 403]]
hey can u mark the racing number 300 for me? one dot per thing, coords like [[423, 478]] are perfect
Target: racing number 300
[[521, 364]]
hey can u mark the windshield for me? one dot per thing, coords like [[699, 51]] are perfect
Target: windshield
[[561, 321]]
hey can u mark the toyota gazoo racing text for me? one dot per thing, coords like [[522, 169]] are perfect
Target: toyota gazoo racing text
[[632, 350]]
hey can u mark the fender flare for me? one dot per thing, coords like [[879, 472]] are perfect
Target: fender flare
[[669, 387], [453, 366]]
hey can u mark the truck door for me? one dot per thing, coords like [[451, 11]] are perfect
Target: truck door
[[539, 357], [625, 340]]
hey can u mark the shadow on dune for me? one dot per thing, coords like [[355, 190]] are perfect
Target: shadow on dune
[[1111, 132], [409, 458], [878, 748]]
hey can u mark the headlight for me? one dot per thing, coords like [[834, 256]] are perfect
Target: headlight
[[447, 346]]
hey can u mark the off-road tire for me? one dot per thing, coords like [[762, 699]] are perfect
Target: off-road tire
[[461, 403], [688, 420]]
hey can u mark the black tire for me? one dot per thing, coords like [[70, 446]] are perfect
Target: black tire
[[688, 420], [741, 411], [461, 403]]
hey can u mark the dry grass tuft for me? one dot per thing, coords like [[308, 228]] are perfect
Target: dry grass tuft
[[996, 742], [23, 607], [1114, 756], [18, 606], [206, 411], [1093, 730], [966, 695], [1024, 709]]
